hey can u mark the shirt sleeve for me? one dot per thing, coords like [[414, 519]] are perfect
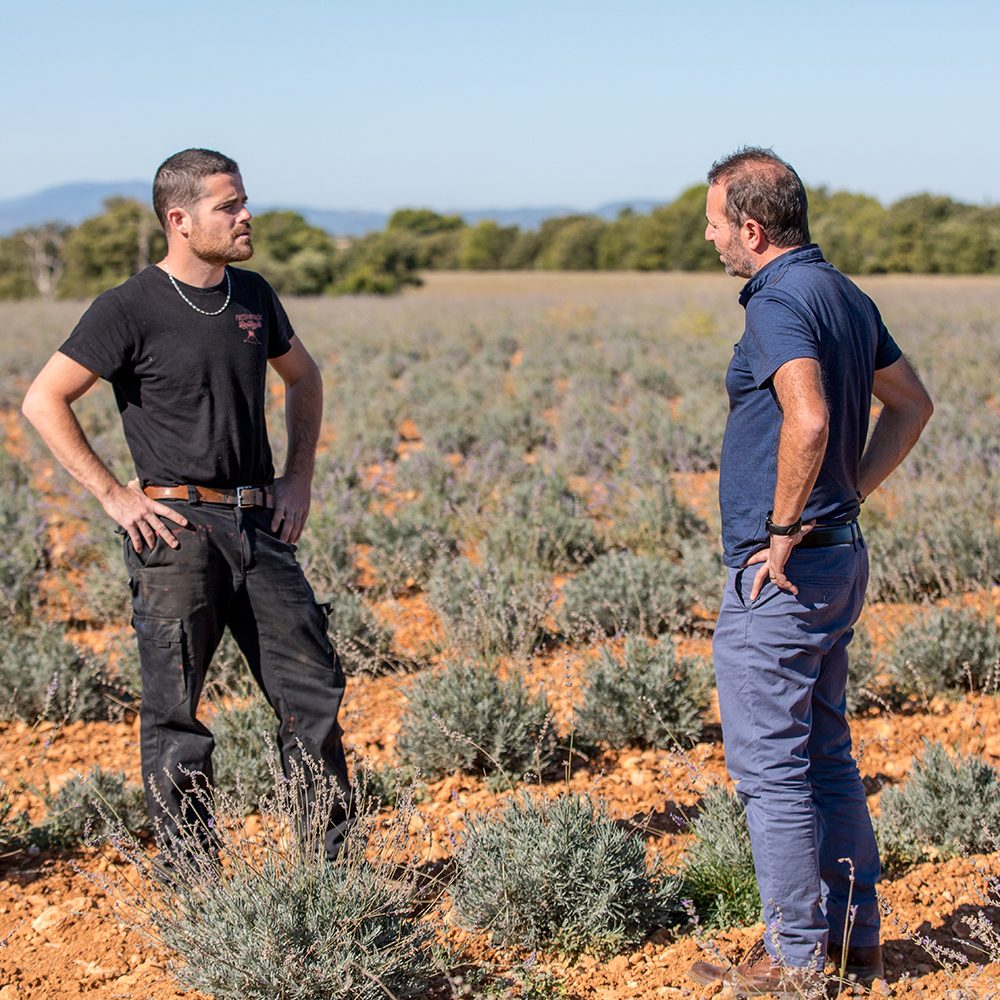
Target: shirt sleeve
[[776, 332], [103, 340], [887, 351], [279, 329]]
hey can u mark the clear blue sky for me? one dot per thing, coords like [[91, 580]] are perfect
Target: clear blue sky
[[476, 104]]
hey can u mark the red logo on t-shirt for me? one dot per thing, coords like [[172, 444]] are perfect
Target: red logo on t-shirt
[[250, 323]]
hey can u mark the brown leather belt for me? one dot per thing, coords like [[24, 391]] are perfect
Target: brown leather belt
[[241, 496]]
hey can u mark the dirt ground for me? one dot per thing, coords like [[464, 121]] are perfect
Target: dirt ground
[[61, 937]]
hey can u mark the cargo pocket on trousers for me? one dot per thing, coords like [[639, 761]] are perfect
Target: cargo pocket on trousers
[[324, 611], [163, 659]]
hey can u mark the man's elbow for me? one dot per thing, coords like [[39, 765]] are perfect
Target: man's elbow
[[33, 405], [42, 405], [304, 375], [309, 381], [926, 410], [813, 428]]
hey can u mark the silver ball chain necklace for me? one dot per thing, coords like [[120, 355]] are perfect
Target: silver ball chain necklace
[[204, 312]]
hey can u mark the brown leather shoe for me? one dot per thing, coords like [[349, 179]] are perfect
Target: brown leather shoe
[[757, 978], [864, 965]]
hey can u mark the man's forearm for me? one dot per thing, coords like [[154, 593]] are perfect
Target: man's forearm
[[58, 427], [895, 433], [303, 416], [801, 447], [48, 406], [805, 426]]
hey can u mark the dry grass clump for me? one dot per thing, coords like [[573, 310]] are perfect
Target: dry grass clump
[[22, 555], [946, 649], [245, 738], [44, 677], [14, 823], [265, 914]]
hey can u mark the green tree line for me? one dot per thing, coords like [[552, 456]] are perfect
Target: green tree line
[[921, 234]]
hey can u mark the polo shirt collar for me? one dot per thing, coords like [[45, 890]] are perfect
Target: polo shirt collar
[[808, 253]]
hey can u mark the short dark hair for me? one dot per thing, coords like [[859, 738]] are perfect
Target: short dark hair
[[178, 179], [762, 187]]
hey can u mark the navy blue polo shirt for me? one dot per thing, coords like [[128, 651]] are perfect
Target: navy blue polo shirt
[[797, 306]]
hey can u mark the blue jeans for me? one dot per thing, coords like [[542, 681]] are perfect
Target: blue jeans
[[781, 669], [230, 570]]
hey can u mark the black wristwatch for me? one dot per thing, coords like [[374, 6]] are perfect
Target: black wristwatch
[[781, 529]]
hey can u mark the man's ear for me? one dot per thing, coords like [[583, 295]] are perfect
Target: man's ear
[[756, 238], [179, 222]]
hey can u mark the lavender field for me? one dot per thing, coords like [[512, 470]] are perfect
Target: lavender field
[[515, 527]]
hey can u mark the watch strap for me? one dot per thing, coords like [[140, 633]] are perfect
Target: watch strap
[[781, 529]]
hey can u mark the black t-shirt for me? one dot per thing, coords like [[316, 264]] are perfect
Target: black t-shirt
[[190, 387]]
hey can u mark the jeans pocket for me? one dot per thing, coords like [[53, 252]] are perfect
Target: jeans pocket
[[164, 663], [743, 585]]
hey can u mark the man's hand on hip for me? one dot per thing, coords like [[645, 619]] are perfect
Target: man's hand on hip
[[773, 559], [292, 498], [141, 517]]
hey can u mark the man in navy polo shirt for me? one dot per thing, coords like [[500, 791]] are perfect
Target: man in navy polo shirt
[[794, 471]]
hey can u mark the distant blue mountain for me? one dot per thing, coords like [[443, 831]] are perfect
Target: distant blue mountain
[[72, 203], [336, 222], [641, 206], [68, 203], [358, 223], [525, 218]]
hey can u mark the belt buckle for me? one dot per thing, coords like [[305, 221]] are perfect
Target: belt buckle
[[240, 490]]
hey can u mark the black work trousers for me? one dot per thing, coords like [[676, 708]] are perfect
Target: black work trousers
[[230, 570]]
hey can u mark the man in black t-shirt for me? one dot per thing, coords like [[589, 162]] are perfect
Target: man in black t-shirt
[[209, 532]]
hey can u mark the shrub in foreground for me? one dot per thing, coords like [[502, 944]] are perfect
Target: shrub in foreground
[[558, 874], [947, 806], [717, 872], [623, 592], [383, 787], [645, 697], [277, 919], [89, 808], [467, 718]]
